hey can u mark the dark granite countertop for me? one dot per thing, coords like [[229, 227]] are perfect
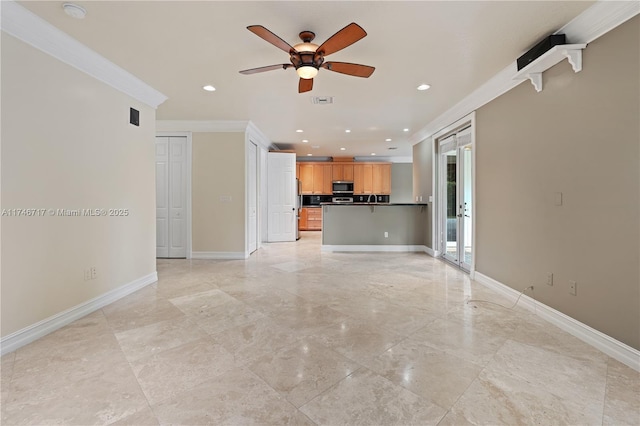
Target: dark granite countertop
[[374, 204]]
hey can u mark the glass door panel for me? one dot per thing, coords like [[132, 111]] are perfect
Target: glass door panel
[[451, 201], [466, 235]]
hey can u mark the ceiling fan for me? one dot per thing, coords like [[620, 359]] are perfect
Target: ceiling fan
[[307, 58]]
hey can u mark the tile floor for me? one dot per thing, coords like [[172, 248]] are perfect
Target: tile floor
[[294, 336]]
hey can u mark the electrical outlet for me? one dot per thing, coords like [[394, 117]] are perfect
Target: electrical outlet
[[386, 234], [94, 273], [550, 279], [573, 288]]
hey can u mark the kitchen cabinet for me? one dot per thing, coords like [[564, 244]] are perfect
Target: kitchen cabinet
[[381, 179], [306, 177], [368, 178], [342, 172], [302, 223], [314, 219], [358, 178], [322, 179], [311, 219], [316, 178], [372, 178]]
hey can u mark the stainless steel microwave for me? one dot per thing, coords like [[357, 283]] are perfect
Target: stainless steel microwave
[[342, 187]]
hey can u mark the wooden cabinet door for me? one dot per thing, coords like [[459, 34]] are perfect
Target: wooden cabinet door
[[337, 171], [386, 178], [314, 219], [358, 179], [367, 181], [298, 170], [306, 177], [347, 172], [318, 178], [382, 179], [327, 179], [303, 219]]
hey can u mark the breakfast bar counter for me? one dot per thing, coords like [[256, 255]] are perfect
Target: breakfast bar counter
[[375, 227]]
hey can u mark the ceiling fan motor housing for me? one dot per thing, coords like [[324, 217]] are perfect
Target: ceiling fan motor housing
[[306, 54]]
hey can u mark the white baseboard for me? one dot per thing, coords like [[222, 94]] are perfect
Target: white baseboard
[[607, 344], [220, 255], [430, 251], [374, 248], [35, 331]]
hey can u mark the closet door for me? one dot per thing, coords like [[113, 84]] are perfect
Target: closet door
[[171, 188], [162, 197]]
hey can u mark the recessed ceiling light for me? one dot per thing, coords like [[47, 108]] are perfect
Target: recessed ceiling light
[[343, 149], [405, 130], [305, 140], [299, 131], [209, 88], [373, 153], [315, 146], [309, 155], [74, 10], [347, 131], [387, 140], [423, 87]]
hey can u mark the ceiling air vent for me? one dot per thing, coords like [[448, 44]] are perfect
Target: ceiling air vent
[[392, 148], [322, 100]]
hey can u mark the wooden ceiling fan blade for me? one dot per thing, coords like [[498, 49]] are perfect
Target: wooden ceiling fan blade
[[305, 85], [267, 35], [343, 38], [267, 68], [355, 70]]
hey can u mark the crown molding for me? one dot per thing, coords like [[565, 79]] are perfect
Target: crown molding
[[35, 31], [206, 126], [598, 20], [594, 22], [255, 134]]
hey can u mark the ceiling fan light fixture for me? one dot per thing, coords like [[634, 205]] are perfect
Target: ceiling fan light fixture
[[306, 47], [307, 71]]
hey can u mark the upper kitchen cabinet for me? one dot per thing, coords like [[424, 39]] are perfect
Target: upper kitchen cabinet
[[367, 178], [382, 179], [342, 172], [316, 178], [306, 178], [372, 178]]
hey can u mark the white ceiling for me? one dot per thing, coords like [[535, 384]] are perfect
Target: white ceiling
[[179, 46]]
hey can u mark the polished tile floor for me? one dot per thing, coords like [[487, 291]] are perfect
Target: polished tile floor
[[293, 336]]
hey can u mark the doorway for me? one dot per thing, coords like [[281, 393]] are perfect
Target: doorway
[[456, 198], [172, 197]]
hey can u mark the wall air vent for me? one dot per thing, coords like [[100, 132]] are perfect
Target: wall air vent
[[322, 100]]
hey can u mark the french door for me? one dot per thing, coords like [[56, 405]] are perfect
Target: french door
[[456, 198]]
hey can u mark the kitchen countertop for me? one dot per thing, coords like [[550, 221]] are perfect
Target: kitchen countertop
[[374, 204]]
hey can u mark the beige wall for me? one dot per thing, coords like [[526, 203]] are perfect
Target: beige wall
[[423, 178], [67, 143], [218, 171], [579, 136]]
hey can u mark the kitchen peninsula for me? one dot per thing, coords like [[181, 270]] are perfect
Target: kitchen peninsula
[[375, 227]]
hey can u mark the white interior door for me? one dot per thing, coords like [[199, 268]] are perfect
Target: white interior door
[[162, 197], [171, 196], [252, 196], [282, 193]]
